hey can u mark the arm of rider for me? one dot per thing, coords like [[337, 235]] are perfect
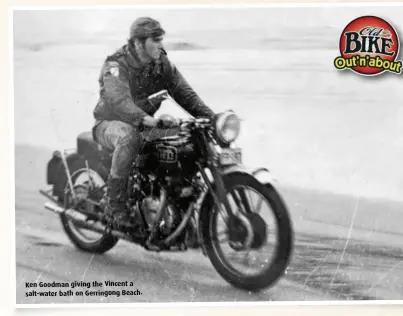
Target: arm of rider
[[164, 121], [116, 92], [185, 96], [156, 98]]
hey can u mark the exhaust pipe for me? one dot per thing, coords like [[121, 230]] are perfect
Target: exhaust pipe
[[81, 219], [53, 207]]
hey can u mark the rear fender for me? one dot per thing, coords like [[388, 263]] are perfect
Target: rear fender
[[57, 173]]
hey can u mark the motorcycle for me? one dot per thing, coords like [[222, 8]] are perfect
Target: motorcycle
[[180, 188]]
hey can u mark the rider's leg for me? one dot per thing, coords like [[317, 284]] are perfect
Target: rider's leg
[[125, 141]]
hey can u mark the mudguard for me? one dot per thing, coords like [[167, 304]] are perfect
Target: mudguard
[[57, 173], [263, 175]]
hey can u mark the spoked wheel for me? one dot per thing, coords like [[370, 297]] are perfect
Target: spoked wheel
[[89, 183], [251, 251]]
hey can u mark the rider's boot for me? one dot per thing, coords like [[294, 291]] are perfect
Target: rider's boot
[[116, 205]]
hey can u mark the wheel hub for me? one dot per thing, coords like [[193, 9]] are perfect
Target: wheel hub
[[238, 232], [80, 195]]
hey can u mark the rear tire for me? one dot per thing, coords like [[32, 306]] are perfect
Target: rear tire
[[105, 242], [272, 274]]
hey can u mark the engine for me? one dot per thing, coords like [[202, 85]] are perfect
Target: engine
[[170, 215], [149, 206], [167, 162]]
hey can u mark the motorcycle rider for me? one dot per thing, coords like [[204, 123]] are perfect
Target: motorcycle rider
[[124, 113]]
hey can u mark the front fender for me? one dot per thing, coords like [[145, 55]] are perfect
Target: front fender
[[263, 175]]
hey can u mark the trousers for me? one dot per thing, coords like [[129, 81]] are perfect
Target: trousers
[[126, 142]]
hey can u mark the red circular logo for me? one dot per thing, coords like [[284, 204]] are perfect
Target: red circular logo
[[369, 46]]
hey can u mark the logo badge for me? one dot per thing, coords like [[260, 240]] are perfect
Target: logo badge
[[369, 46], [168, 154]]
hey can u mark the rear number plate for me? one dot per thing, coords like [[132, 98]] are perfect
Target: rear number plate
[[230, 156]]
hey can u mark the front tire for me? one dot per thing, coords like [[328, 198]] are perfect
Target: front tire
[[270, 275], [98, 245]]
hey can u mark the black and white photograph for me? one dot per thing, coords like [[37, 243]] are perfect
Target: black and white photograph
[[202, 154]]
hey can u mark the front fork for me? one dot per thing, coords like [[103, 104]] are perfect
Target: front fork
[[219, 194]]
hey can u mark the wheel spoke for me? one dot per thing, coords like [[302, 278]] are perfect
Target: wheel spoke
[[250, 199], [222, 236], [239, 204], [236, 199], [223, 213], [259, 205], [245, 201]]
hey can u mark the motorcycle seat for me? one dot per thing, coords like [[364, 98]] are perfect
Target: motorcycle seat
[[87, 146]]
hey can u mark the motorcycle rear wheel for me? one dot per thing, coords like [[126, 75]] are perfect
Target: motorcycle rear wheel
[[282, 254], [101, 243]]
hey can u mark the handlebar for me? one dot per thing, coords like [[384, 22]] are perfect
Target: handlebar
[[194, 123], [186, 124], [183, 123]]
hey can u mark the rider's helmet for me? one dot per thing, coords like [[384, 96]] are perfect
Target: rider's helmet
[[144, 27]]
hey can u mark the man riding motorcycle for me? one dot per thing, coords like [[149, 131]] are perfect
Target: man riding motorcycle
[[124, 113]]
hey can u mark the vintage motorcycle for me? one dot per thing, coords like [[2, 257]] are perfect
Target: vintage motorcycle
[[181, 189]]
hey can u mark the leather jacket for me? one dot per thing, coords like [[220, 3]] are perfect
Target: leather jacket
[[125, 83]]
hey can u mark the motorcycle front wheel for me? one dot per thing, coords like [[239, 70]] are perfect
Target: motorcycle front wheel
[[272, 240]]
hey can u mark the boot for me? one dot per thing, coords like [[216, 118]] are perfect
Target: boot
[[116, 201]]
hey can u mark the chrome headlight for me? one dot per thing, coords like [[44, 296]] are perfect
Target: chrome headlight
[[228, 126]]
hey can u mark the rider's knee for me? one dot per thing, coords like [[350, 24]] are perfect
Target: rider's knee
[[129, 137]]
